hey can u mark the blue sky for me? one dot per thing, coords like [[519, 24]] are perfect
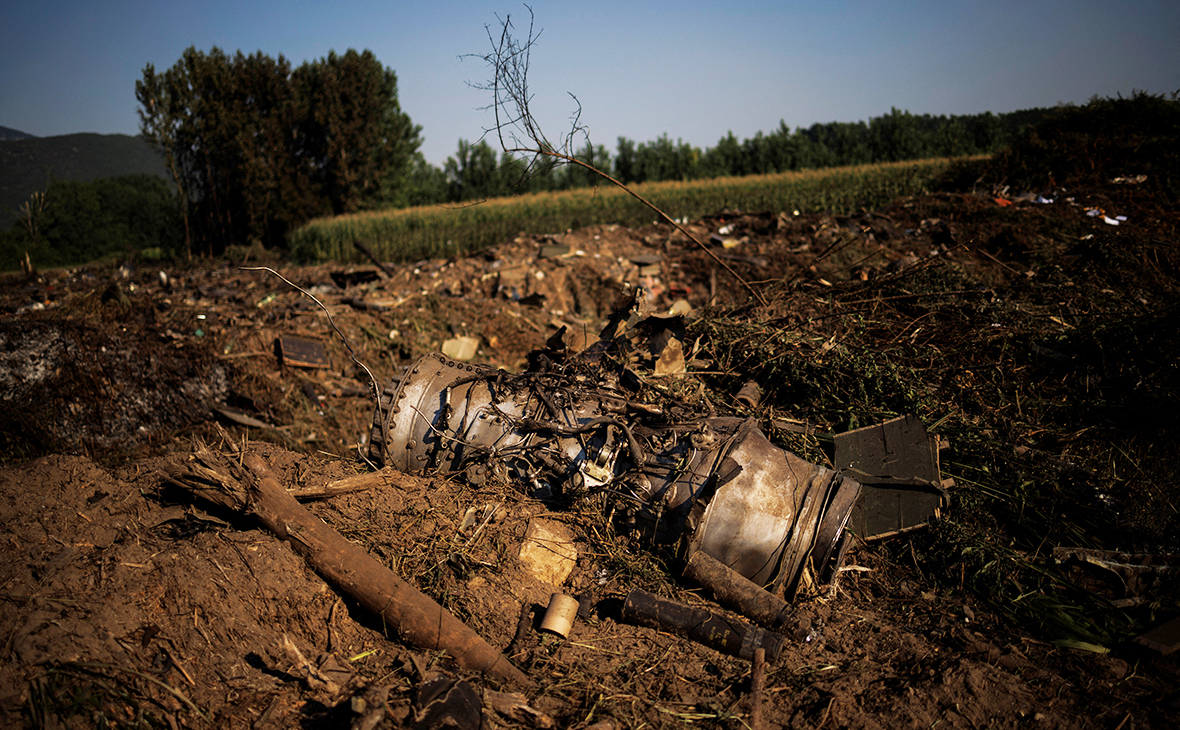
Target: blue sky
[[693, 70]]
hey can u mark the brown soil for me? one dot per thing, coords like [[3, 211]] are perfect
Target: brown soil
[[128, 604]]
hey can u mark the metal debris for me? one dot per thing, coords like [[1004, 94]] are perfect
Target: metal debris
[[559, 617], [1125, 579], [711, 484], [897, 463], [720, 632], [300, 352], [1163, 639]]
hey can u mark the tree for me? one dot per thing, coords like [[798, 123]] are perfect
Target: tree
[[725, 159], [220, 121], [418, 183], [664, 159], [897, 136], [986, 131], [266, 192], [354, 133], [625, 164], [472, 174], [163, 105], [595, 156], [256, 148], [756, 155]]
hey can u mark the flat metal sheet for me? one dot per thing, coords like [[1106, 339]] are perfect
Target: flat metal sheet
[[299, 352], [897, 464]]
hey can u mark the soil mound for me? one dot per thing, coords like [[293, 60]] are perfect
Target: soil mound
[[1038, 337]]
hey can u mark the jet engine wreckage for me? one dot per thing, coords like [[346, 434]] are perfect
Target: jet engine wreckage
[[751, 521], [755, 524]]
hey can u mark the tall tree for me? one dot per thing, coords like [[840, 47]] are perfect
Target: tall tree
[[664, 159], [724, 159], [473, 172], [163, 106], [897, 136], [256, 148], [219, 121], [626, 169], [579, 177], [354, 132], [419, 183]]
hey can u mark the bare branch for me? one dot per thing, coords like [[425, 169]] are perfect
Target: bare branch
[[520, 134]]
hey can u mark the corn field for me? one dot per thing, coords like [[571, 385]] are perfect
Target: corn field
[[412, 234]]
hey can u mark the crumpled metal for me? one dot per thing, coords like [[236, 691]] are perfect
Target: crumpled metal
[[714, 484]]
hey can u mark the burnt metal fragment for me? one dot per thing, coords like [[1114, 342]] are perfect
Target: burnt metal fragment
[[897, 464], [300, 352], [719, 632], [735, 590], [709, 484]]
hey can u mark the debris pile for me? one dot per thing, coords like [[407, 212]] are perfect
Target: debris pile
[[637, 523], [715, 484]]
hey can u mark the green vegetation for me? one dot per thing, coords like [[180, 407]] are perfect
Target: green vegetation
[[475, 172], [423, 232], [256, 147], [31, 165], [76, 222]]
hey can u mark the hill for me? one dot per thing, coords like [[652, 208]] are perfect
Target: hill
[[30, 164], [7, 133]]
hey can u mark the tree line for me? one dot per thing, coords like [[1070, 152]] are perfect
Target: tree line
[[476, 172], [255, 148]]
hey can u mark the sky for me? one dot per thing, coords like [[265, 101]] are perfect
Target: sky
[[693, 70]]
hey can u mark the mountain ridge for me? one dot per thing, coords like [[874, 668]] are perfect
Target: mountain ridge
[[8, 133], [29, 164]]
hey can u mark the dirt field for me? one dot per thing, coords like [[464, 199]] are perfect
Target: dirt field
[[129, 604]]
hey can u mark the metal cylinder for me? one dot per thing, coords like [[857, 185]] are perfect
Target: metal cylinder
[[750, 395], [738, 592], [719, 632], [559, 617]]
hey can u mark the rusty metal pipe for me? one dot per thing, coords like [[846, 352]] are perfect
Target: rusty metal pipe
[[719, 632]]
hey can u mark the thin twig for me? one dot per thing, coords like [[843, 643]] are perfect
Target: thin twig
[[166, 687], [827, 713], [510, 60], [376, 390]]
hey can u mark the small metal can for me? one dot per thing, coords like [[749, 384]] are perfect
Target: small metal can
[[559, 617]]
